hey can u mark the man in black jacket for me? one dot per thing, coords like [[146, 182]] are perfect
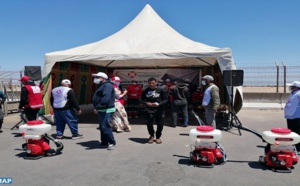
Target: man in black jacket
[[180, 95], [154, 99]]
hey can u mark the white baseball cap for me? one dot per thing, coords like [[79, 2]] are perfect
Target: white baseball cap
[[100, 74], [66, 81], [208, 77], [295, 84]]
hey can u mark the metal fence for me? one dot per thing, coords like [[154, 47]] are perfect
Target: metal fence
[[10, 77], [253, 75], [270, 75]]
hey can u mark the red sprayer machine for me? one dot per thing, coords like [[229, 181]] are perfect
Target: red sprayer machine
[[206, 151], [38, 141], [280, 152]]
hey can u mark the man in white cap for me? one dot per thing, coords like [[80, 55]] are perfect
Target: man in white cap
[[104, 106], [211, 100], [292, 109], [64, 104]]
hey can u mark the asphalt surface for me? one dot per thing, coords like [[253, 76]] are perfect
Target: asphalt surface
[[136, 163]]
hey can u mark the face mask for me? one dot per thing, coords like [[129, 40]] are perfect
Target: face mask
[[97, 80], [203, 82], [134, 83], [117, 83]]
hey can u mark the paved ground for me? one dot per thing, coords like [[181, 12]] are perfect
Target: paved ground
[[136, 163]]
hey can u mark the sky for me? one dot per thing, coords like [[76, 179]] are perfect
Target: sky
[[259, 32]]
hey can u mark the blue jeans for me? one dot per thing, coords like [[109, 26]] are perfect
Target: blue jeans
[[107, 136], [65, 116]]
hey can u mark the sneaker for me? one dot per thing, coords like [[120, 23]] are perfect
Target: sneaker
[[184, 125], [151, 139], [59, 137], [1, 131], [158, 141], [111, 147], [77, 136]]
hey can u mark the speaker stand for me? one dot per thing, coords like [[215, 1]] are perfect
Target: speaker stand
[[23, 120], [234, 120]]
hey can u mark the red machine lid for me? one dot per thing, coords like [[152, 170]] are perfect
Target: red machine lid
[[281, 130], [35, 122], [205, 128]]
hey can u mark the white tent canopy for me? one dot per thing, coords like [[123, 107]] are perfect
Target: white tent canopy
[[147, 41]]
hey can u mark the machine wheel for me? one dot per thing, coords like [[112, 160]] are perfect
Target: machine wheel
[[24, 146], [267, 148], [191, 157]]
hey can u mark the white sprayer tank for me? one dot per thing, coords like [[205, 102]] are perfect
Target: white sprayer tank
[[206, 134], [35, 127], [281, 136]]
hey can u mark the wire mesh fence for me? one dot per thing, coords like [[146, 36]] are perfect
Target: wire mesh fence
[[270, 75], [253, 76]]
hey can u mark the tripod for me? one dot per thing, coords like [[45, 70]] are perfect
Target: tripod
[[233, 78], [23, 120], [234, 120]]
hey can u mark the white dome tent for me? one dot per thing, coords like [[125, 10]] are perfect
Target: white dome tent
[[147, 41]]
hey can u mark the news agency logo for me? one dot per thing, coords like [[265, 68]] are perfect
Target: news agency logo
[[5, 180]]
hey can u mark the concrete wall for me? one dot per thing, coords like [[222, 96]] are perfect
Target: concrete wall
[[265, 97]]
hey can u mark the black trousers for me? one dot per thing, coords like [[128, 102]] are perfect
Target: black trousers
[[294, 126], [157, 116], [30, 113]]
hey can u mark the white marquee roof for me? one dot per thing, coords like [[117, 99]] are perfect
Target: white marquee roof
[[147, 41]]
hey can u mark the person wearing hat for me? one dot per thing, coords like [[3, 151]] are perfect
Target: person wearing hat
[[211, 100], [134, 92], [2, 100], [292, 109], [65, 107], [31, 98], [104, 106], [119, 121]]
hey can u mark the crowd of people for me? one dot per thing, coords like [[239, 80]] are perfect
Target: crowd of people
[[113, 113]]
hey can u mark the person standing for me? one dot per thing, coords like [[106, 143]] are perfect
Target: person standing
[[197, 98], [65, 106], [134, 92], [180, 94], [31, 98], [211, 100], [104, 105], [154, 99], [2, 100], [292, 109], [119, 121]]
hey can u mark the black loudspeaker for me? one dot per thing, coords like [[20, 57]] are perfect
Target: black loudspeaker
[[233, 77], [33, 72]]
